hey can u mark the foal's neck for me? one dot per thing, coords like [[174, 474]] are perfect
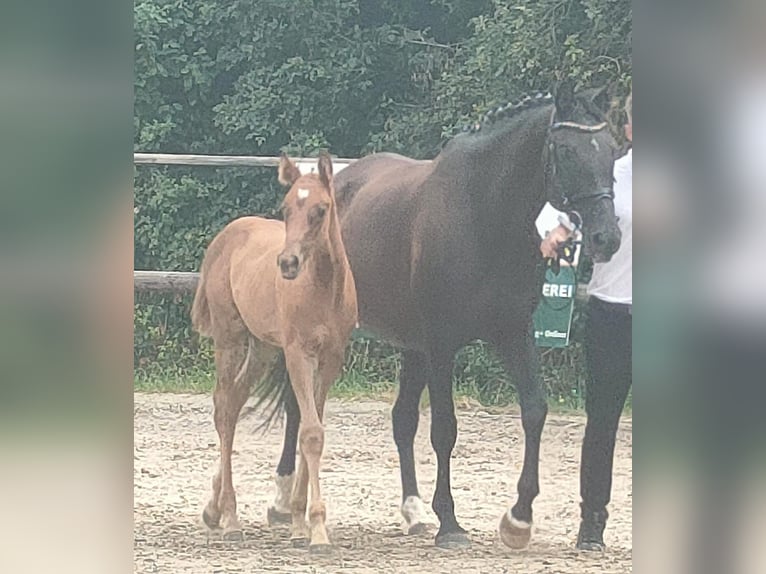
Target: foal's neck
[[330, 264]]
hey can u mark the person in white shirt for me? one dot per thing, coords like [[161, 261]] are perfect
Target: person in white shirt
[[608, 351]]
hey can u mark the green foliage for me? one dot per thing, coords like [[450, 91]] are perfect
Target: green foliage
[[353, 76]]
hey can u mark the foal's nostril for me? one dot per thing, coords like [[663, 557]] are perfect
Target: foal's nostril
[[288, 263]]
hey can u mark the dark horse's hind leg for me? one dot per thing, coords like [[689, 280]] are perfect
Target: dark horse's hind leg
[[521, 358], [405, 415], [443, 437], [279, 512]]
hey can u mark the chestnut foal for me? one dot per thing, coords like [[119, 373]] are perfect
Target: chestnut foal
[[268, 287]]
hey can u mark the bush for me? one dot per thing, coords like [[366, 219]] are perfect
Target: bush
[[353, 76]]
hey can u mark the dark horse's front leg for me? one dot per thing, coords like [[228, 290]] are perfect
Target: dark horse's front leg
[[521, 359], [443, 437]]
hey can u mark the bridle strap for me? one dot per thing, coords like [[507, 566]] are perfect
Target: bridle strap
[[578, 127], [601, 193]]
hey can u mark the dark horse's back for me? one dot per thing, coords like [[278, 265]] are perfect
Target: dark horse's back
[[377, 201]]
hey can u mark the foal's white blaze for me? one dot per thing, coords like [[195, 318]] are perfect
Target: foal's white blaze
[[284, 492], [303, 193], [516, 523], [413, 510]]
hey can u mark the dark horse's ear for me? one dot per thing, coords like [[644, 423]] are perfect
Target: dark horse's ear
[[565, 99], [324, 166], [598, 98], [288, 171]]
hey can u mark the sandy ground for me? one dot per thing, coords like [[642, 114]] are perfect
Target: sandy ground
[[176, 454]]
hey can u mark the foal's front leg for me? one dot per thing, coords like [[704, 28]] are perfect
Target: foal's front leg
[[304, 374]]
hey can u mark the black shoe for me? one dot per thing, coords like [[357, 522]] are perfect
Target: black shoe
[[591, 535]]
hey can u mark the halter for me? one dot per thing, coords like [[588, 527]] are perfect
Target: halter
[[566, 200]]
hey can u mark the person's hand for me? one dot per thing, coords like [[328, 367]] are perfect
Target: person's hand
[[554, 238]]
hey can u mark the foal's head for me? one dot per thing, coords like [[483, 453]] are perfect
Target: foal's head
[[579, 168], [307, 210]]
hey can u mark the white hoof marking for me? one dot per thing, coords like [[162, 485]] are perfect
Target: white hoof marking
[[516, 523], [413, 510], [284, 492]]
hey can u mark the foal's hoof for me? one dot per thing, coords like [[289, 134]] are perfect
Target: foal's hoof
[[299, 542], [275, 518], [453, 540], [417, 529], [233, 536], [320, 549], [212, 521], [514, 533]]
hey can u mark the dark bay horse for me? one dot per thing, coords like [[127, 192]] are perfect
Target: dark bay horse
[[444, 252]]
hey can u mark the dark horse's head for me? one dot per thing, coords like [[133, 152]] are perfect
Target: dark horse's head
[[579, 159]]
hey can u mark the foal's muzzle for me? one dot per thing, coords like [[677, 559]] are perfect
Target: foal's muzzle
[[289, 266]]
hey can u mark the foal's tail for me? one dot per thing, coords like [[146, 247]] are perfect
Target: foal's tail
[[200, 311], [274, 393]]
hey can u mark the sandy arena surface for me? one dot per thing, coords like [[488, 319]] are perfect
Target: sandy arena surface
[[176, 453]]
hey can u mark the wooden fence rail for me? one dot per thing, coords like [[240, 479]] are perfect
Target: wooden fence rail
[[223, 160]]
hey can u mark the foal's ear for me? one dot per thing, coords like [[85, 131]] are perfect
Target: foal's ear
[[288, 171], [324, 166]]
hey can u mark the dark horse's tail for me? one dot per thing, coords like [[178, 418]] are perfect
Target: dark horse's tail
[[274, 394]]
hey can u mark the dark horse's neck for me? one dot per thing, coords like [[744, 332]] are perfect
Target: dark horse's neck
[[501, 169], [330, 264]]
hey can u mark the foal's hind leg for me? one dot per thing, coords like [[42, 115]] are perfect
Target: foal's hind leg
[[405, 415], [229, 395], [522, 361], [237, 367]]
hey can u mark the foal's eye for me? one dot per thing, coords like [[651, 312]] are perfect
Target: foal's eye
[[317, 213]]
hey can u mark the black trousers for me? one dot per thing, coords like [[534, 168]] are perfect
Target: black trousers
[[609, 356]]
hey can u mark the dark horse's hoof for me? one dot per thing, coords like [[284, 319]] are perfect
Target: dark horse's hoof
[[453, 540], [417, 529], [275, 518], [590, 546], [514, 533], [210, 520]]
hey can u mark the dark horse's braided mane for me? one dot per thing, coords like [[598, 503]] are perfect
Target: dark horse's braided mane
[[509, 110]]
